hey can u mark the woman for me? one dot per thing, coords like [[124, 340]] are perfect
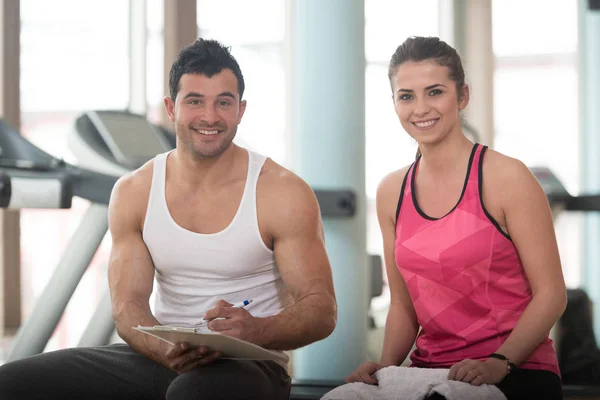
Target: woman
[[469, 244]]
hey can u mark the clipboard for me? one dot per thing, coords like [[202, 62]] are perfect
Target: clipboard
[[230, 347]]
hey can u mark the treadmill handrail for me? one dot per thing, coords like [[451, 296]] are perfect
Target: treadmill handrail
[[586, 202], [27, 189], [86, 184]]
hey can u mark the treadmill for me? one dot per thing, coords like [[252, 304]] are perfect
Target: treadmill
[[559, 197], [117, 142], [32, 178], [578, 354]]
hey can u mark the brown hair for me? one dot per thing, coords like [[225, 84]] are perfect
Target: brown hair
[[419, 48]]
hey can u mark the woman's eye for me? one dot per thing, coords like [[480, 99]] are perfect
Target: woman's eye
[[435, 92]]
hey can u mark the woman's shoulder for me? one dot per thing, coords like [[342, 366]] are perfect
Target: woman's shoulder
[[388, 192], [392, 182], [507, 177], [503, 168]]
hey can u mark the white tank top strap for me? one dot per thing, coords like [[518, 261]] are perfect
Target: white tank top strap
[[157, 205], [248, 204]]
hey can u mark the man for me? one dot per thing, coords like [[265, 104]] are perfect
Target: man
[[214, 224]]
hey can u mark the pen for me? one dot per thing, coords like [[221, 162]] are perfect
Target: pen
[[241, 304]]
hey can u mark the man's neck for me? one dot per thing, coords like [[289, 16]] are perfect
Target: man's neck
[[208, 172]]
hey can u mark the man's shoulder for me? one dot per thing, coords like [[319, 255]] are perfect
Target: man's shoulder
[[133, 188], [277, 178], [283, 193]]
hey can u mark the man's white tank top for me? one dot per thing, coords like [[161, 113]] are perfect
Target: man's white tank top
[[195, 270]]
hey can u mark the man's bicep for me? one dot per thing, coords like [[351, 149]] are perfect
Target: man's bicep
[[299, 248], [130, 271], [130, 268]]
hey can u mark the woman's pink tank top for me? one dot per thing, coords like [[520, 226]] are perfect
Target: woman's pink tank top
[[464, 276]]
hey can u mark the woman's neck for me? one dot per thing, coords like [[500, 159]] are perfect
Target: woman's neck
[[444, 158]]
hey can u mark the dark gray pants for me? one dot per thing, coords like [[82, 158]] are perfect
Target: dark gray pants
[[117, 372]]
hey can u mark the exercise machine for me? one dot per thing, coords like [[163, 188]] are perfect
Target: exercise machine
[[578, 354], [34, 179]]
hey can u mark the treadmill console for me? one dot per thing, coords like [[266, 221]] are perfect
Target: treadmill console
[[130, 138]]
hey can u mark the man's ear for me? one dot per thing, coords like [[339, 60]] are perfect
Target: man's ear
[[463, 100], [170, 107], [242, 110]]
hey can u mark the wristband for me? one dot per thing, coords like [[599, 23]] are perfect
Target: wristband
[[509, 365]]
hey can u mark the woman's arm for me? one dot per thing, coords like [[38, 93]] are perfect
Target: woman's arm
[[529, 223], [401, 325], [521, 207]]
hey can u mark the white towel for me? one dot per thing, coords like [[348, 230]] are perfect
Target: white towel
[[402, 383]]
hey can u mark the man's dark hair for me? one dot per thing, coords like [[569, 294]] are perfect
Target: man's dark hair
[[203, 57]]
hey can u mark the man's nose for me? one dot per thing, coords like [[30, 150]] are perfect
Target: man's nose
[[210, 115]]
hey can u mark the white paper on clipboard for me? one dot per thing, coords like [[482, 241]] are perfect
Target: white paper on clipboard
[[229, 347]]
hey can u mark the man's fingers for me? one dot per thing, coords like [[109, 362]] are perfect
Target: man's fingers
[[182, 354], [220, 325], [222, 303], [222, 312], [177, 350], [199, 359], [208, 359], [222, 309], [195, 354]]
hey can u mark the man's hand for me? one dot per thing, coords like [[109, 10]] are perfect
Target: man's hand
[[364, 373], [476, 372], [183, 358], [233, 321]]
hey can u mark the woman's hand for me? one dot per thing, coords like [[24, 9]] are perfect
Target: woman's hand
[[364, 373], [476, 372]]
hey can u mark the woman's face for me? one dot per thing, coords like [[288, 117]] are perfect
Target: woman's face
[[426, 101]]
